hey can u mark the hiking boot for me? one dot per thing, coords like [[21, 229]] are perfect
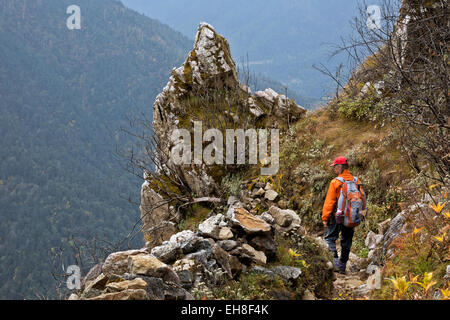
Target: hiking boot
[[339, 266]]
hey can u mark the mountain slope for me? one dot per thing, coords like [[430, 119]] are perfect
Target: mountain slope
[[63, 96]]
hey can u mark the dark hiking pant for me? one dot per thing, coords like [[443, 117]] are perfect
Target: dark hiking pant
[[332, 234]]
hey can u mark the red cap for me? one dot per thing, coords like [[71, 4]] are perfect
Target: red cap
[[339, 160]]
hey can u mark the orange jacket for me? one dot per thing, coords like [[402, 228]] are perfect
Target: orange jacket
[[329, 207]]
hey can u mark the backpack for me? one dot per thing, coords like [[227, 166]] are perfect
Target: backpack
[[352, 201]]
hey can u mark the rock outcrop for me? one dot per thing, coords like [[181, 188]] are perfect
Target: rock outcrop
[[205, 88]]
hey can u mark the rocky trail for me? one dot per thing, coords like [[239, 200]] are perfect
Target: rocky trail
[[354, 284]]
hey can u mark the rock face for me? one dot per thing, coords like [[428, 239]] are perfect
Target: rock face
[[155, 215]]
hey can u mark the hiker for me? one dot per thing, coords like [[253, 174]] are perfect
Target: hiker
[[342, 211]]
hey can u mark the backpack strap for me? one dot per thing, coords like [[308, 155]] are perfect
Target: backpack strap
[[362, 192], [341, 197], [340, 179]]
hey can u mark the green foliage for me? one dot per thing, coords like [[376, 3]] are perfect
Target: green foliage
[[250, 286], [369, 106], [231, 183], [358, 108], [304, 253], [194, 217]]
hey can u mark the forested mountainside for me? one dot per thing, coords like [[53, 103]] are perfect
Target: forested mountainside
[[63, 96]]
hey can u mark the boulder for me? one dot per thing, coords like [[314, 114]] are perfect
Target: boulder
[[321, 243], [183, 237], [185, 269], [267, 218], [248, 254], [285, 220], [93, 273], [259, 192], [129, 294], [235, 266], [223, 259], [383, 226], [210, 227], [249, 223], [225, 233], [254, 109], [266, 244], [200, 183], [372, 240], [73, 296], [159, 233], [281, 219], [288, 273], [232, 200], [94, 287], [396, 227], [262, 270], [149, 265], [117, 263], [155, 288], [136, 283], [173, 291], [228, 245], [201, 256], [167, 252], [187, 240], [271, 195], [374, 279]]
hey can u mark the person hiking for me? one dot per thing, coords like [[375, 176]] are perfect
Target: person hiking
[[342, 211]]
